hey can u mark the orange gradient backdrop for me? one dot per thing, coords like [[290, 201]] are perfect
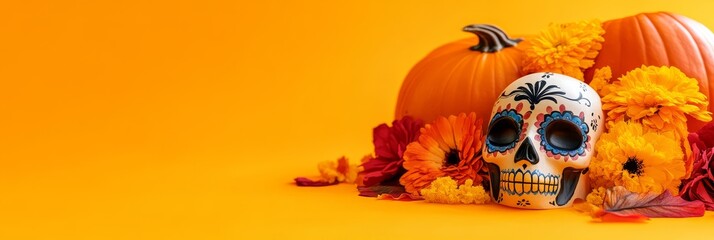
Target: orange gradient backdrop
[[188, 119]]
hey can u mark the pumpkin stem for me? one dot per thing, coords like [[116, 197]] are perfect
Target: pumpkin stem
[[490, 38]]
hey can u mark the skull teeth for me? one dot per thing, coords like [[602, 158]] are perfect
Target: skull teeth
[[518, 182]]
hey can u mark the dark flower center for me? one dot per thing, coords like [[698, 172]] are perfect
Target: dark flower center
[[452, 157], [633, 166]]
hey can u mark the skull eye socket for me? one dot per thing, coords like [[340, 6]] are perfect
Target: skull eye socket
[[503, 132], [564, 135]]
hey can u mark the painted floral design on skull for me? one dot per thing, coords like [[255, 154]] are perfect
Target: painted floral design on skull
[[540, 141]]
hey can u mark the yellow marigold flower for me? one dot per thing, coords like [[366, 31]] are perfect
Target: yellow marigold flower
[[659, 97], [638, 158], [596, 197], [338, 171], [447, 190], [601, 81], [566, 48]]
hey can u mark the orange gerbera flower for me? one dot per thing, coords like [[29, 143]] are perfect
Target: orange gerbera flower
[[446, 147]]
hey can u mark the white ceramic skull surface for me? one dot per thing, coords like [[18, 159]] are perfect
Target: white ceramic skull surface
[[540, 141]]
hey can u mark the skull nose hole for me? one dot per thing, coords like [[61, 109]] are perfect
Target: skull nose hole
[[527, 152]]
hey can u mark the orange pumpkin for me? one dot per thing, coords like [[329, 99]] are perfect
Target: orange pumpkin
[[659, 39], [461, 77]]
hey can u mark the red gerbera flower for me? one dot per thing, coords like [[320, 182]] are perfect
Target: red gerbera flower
[[700, 185], [385, 167]]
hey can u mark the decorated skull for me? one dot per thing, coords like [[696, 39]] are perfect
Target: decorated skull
[[540, 141]]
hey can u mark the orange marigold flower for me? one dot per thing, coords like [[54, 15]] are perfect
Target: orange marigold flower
[[338, 171], [601, 80], [596, 197], [566, 48], [658, 97], [446, 147]]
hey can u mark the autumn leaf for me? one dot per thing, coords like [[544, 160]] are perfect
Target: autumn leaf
[[622, 202], [399, 197], [306, 182], [331, 173], [606, 216], [374, 191]]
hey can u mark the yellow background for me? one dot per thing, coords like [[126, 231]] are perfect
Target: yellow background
[[188, 119]]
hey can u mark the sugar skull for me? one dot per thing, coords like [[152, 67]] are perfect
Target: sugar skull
[[540, 141]]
